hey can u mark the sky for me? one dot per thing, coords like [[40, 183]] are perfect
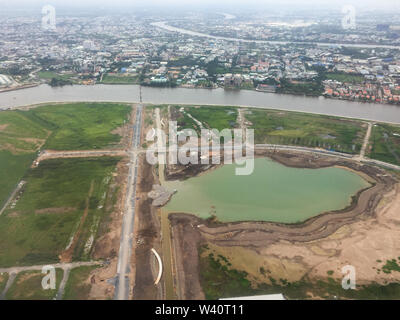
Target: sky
[[386, 3], [361, 4]]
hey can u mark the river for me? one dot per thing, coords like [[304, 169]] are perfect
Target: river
[[165, 26], [131, 94]]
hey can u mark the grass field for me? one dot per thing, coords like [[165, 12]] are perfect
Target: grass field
[[120, 79], [385, 143], [80, 126], [78, 285], [211, 117], [62, 127], [50, 208], [48, 75], [342, 77], [220, 280], [291, 128], [19, 134], [12, 169], [20, 138], [3, 281], [28, 286]]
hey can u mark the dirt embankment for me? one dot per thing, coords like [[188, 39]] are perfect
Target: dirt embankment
[[317, 240], [107, 245], [186, 239], [147, 236]]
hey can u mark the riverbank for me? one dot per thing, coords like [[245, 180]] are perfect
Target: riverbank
[[257, 237], [205, 97], [19, 87]]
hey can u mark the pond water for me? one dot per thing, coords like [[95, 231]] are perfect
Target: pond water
[[273, 193]]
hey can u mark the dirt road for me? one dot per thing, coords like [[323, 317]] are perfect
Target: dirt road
[[66, 267], [123, 270]]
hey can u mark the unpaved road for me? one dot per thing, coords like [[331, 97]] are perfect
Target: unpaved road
[[63, 266], [122, 281], [50, 154], [19, 186], [66, 267]]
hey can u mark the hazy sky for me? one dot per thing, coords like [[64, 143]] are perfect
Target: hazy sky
[[364, 4], [201, 2]]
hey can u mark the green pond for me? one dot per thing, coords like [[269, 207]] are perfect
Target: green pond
[[273, 193]]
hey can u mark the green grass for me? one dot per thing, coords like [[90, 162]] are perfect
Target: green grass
[[330, 288], [292, 128], [78, 285], [20, 134], [29, 236], [211, 117], [385, 143], [81, 126], [219, 280], [20, 138], [281, 127], [184, 122], [120, 79], [343, 77], [3, 281], [28, 286], [215, 117], [72, 127], [391, 265], [48, 75], [12, 169]]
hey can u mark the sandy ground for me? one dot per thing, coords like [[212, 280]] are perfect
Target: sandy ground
[[361, 244], [107, 246], [361, 235], [147, 236]]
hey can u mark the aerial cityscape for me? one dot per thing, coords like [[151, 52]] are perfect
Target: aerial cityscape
[[161, 151]]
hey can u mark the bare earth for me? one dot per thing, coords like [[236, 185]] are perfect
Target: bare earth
[[361, 235]]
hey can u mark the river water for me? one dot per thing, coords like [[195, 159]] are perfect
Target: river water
[[131, 93], [164, 25]]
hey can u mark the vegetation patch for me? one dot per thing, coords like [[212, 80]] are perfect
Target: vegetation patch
[[12, 169], [385, 143], [211, 117], [220, 280], [28, 286], [120, 79], [345, 77], [49, 75], [28, 238], [78, 285], [20, 138], [292, 128], [71, 127], [20, 135], [391, 265], [81, 126], [3, 281]]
